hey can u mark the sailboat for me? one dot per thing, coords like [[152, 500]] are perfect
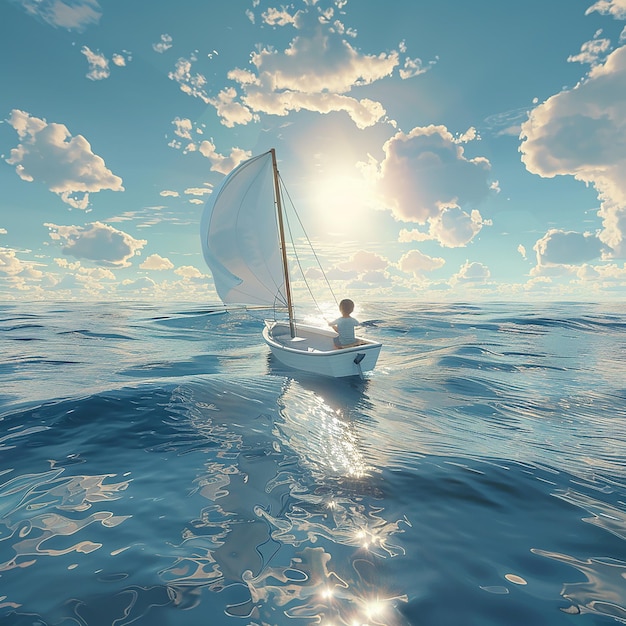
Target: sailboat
[[243, 242]]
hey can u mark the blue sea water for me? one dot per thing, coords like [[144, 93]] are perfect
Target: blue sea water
[[158, 467]]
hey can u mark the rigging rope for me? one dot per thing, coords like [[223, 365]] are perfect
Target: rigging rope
[[284, 191]]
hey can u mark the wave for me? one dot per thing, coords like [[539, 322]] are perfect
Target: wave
[[159, 462]]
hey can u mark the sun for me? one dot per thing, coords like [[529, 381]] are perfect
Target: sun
[[341, 202]]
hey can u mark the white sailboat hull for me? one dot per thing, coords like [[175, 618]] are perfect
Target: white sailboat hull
[[313, 350]]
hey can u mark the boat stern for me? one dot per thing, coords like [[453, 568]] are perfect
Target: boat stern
[[313, 350]]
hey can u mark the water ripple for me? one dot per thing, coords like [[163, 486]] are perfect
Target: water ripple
[[178, 472]]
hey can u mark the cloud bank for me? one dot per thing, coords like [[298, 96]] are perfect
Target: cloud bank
[[582, 133], [316, 72]]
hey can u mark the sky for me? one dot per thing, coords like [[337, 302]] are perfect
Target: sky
[[435, 151]]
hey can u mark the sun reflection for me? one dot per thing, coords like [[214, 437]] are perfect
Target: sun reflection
[[372, 539], [327, 593], [375, 609], [322, 592], [36, 517], [325, 436]]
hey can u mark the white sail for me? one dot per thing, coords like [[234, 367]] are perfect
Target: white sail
[[240, 237]]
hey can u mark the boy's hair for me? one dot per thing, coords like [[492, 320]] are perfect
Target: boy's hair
[[346, 306]]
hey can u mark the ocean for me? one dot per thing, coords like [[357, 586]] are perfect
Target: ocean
[[158, 467]]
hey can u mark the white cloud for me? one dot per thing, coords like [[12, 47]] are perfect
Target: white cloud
[[11, 265], [364, 113], [3, 231], [65, 264], [616, 8], [426, 170], [425, 177], [414, 67], [97, 242], [320, 61], [143, 285], [593, 280], [97, 273], [363, 269], [363, 261], [476, 273], [73, 14], [406, 236], [454, 228], [522, 250], [121, 59], [336, 273], [591, 52], [156, 262], [191, 84], [313, 273], [451, 227], [559, 247], [274, 17], [18, 275], [164, 44], [375, 277], [98, 64], [66, 164], [608, 273], [315, 72], [198, 191], [220, 163], [471, 134], [183, 127], [417, 263], [231, 111], [168, 193], [582, 133], [189, 272]]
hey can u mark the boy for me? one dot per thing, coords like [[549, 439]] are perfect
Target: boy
[[344, 325]]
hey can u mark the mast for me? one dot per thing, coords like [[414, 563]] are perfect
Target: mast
[[283, 247]]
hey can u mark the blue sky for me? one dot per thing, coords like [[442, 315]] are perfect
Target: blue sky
[[444, 150]]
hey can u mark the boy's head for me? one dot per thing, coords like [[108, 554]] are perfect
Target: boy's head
[[346, 306]]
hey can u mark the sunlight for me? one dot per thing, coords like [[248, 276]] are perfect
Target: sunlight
[[327, 593], [375, 609], [368, 538], [341, 201]]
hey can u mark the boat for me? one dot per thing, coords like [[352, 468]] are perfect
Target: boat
[[244, 245]]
